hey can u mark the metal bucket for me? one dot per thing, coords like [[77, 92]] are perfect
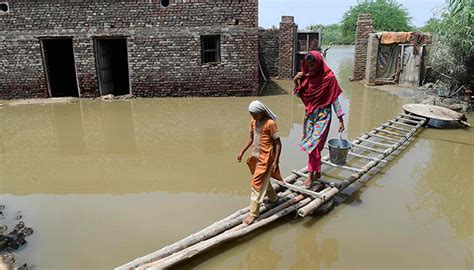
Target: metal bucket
[[338, 149]]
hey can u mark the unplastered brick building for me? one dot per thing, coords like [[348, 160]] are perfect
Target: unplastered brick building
[[148, 48], [88, 48]]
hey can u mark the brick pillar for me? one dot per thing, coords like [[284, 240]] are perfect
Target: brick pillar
[[286, 46], [371, 64], [364, 28]]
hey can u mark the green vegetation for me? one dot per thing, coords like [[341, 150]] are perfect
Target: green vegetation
[[331, 33], [387, 15], [453, 43]]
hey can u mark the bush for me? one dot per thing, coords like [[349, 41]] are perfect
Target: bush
[[453, 42]]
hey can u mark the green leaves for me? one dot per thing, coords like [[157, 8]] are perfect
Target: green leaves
[[387, 15]]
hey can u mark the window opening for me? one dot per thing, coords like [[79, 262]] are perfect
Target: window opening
[[210, 49]]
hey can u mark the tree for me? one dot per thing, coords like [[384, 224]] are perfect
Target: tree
[[387, 15]]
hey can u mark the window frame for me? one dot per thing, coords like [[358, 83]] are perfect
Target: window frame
[[216, 40]]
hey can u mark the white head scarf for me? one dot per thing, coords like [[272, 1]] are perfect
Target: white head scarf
[[258, 107]]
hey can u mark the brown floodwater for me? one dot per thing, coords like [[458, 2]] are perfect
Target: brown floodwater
[[102, 183]]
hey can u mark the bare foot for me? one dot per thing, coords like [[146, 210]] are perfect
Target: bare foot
[[249, 219], [317, 175], [308, 181]]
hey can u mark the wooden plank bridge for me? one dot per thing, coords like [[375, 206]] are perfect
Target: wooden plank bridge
[[372, 148]]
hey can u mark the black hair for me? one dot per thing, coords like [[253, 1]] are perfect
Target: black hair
[[309, 57]]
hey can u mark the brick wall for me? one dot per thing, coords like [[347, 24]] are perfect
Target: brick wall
[[269, 50], [164, 46], [287, 36], [364, 28], [371, 64]]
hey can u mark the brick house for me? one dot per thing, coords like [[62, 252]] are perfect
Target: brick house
[[149, 48]]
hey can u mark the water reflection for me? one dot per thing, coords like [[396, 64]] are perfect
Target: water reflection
[[2, 145], [313, 255], [451, 198], [119, 129], [261, 256], [69, 129]]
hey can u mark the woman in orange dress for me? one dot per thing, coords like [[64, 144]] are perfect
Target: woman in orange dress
[[264, 158]]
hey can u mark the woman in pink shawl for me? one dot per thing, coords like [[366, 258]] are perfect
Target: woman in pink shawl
[[318, 88]]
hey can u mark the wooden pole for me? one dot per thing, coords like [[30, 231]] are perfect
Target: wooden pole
[[239, 231], [400, 123], [374, 142], [206, 233], [344, 167], [382, 137]]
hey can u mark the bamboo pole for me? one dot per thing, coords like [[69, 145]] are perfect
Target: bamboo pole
[[305, 206], [413, 116], [367, 157], [389, 132], [297, 189], [374, 142], [396, 128], [344, 167], [215, 228], [312, 206], [321, 180], [407, 120], [368, 148], [401, 124], [239, 231], [381, 137], [351, 153]]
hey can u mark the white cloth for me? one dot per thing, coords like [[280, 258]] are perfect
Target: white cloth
[[258, 107]]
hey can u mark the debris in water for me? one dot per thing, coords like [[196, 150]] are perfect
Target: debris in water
[[12, 241]]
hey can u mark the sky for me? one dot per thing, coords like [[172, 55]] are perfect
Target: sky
[[308, 12]]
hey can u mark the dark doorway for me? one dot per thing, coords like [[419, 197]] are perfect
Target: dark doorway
[[60, 67], [112, 66]]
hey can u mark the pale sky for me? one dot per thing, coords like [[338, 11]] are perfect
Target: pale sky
[[307, 12]]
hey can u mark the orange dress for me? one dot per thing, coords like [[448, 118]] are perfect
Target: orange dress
[[261, 159]]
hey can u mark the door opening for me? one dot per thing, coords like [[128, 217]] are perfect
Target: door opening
[[112, 66], [60, 67]]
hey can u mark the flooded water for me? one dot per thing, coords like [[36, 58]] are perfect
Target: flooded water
[[104, 182]]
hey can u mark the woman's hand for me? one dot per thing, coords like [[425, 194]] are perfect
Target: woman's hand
[[274, 166], [239, 157], [341, 125], [298, 77]]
